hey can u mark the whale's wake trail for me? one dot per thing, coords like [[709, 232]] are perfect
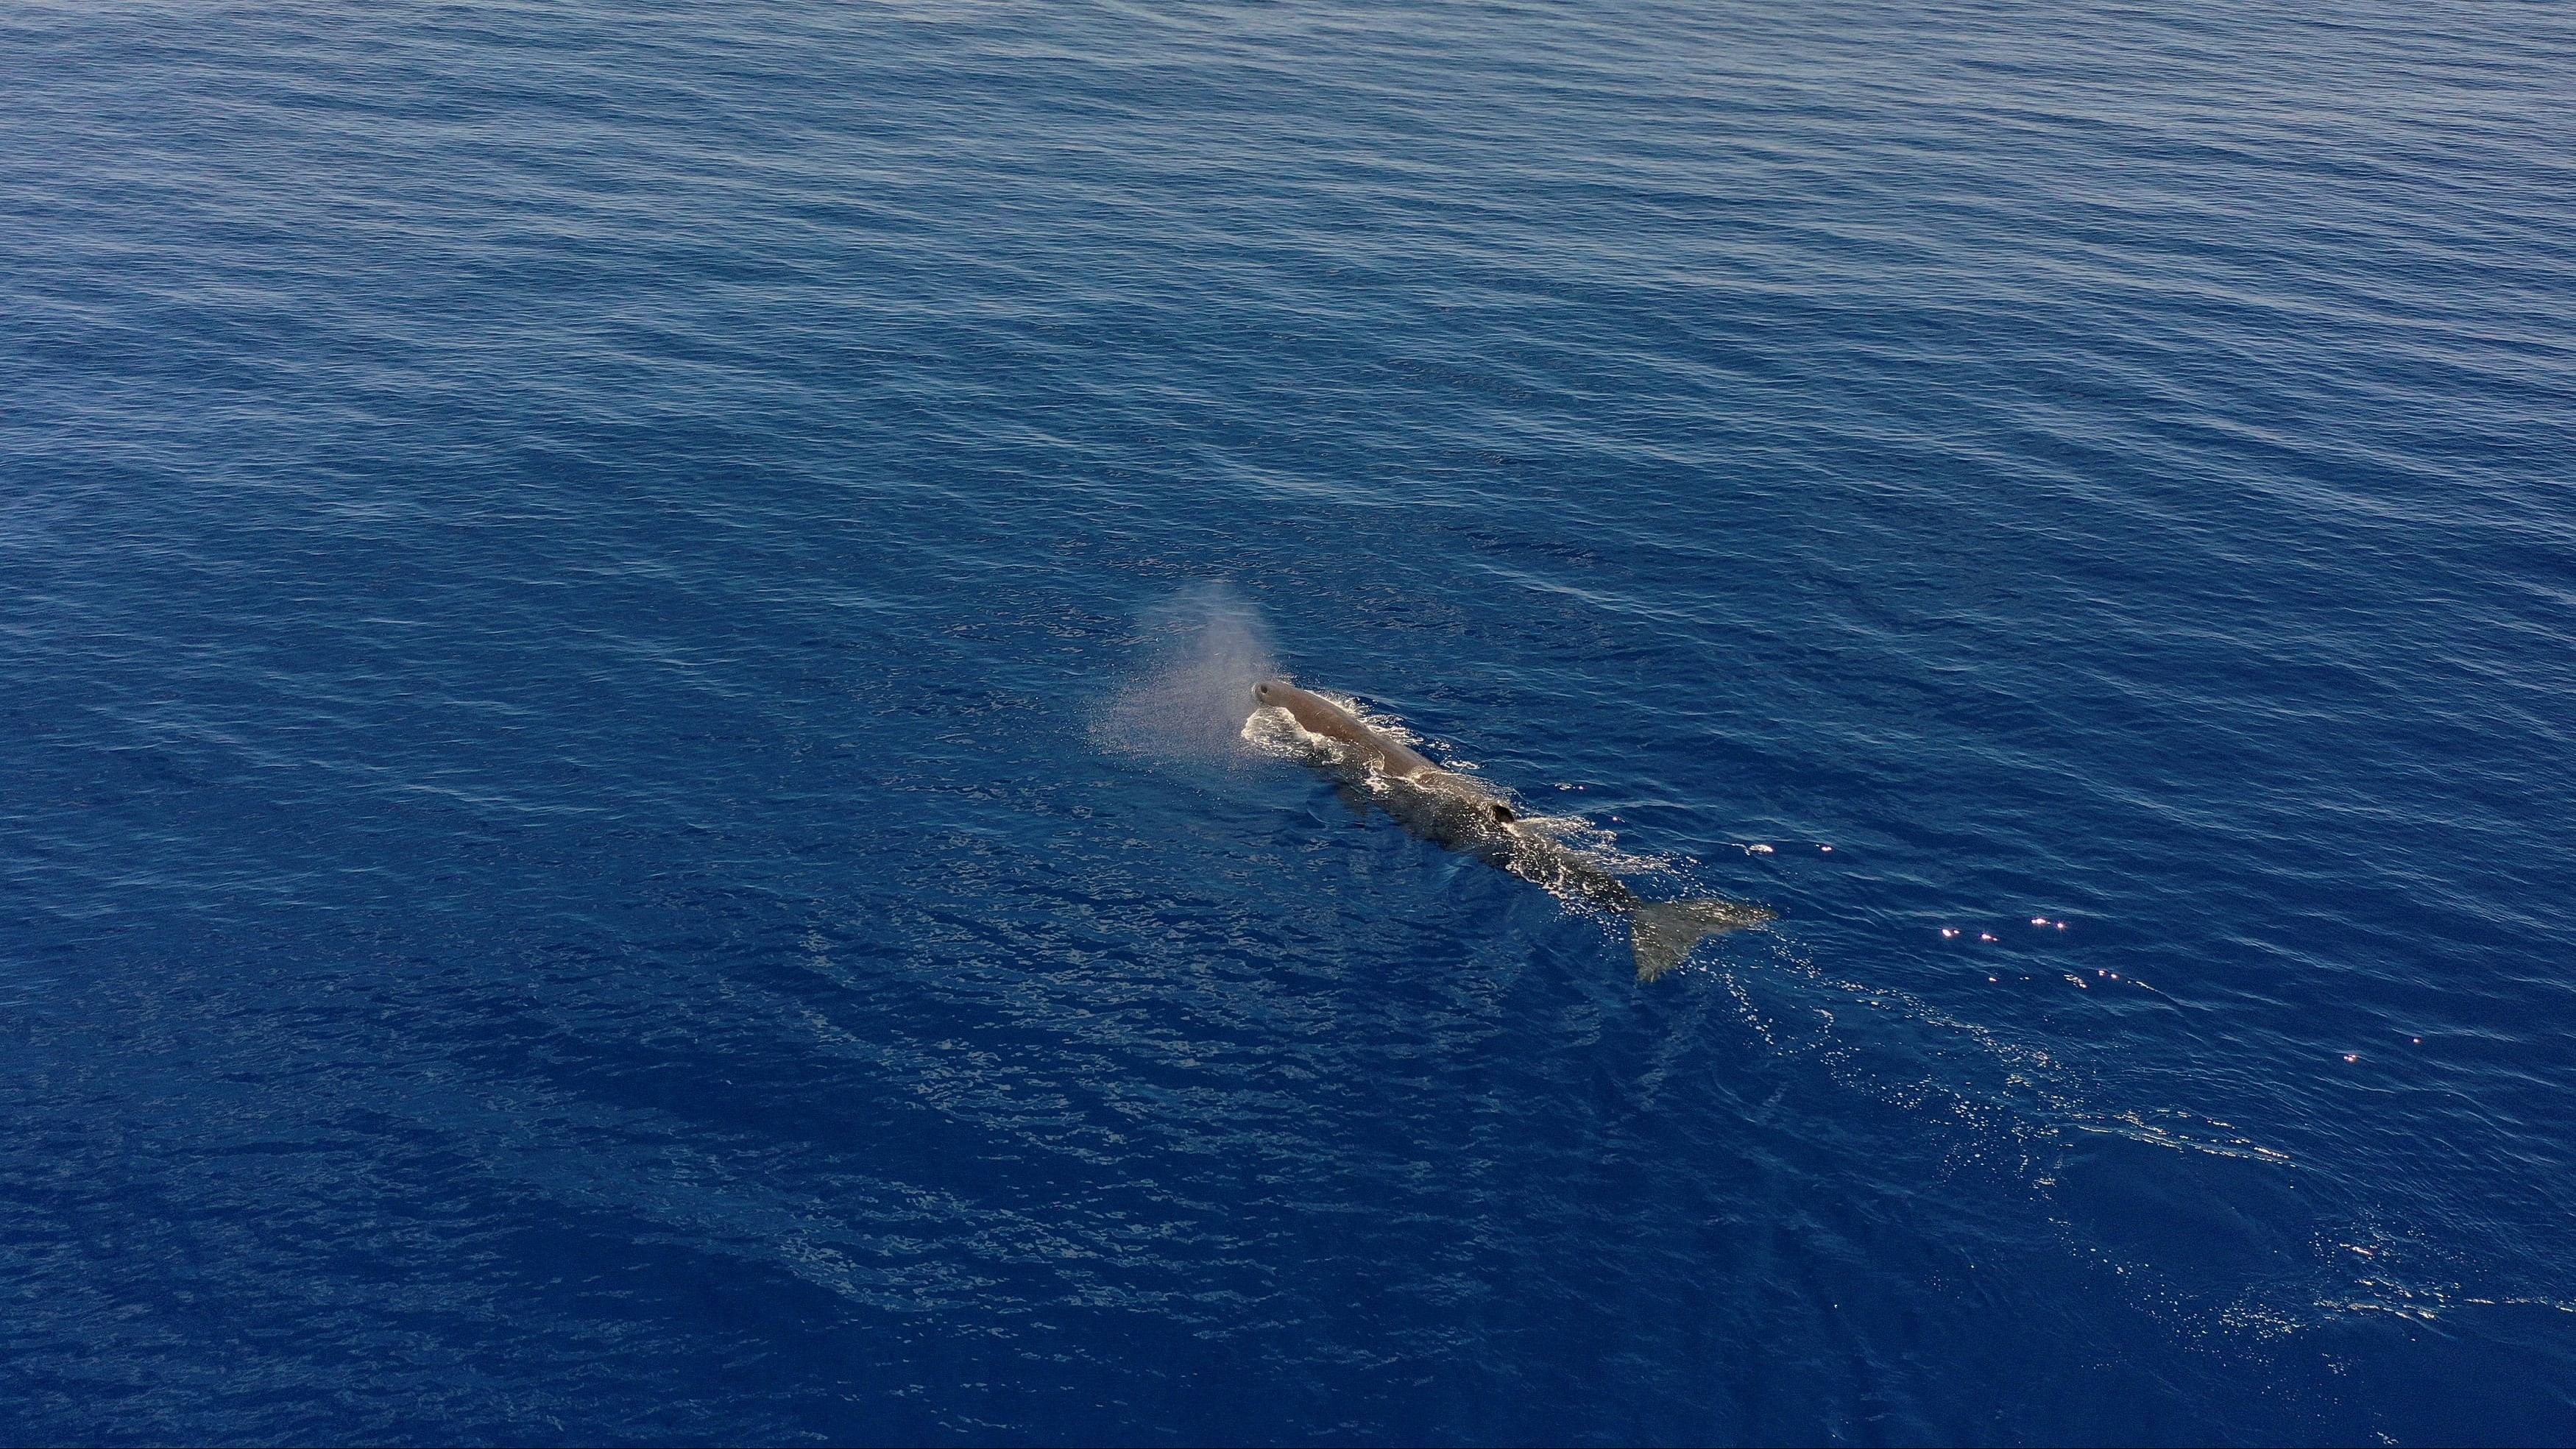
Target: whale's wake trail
[[1206, 648]]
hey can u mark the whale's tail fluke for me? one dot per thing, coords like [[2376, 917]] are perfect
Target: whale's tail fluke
[[1667, 930]]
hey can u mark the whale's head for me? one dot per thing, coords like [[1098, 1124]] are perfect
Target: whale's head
[[1271, 694]]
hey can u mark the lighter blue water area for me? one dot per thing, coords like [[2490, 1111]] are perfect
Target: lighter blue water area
[[619, 818]]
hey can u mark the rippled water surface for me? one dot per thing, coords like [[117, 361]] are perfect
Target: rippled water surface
[[621, 819]]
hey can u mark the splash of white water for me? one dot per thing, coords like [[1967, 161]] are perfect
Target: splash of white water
[[1206, 647]]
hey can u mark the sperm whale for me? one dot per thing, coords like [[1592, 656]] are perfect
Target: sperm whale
[[1454, 811]]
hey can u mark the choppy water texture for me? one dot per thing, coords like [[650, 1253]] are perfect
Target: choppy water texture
[[615, 827]]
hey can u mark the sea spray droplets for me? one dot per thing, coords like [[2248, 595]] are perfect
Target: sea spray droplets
[[1206, 648]]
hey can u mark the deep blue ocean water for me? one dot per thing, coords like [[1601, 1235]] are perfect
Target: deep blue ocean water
[[607, 625]]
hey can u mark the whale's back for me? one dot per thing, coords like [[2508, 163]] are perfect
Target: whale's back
[[1320, 716]]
